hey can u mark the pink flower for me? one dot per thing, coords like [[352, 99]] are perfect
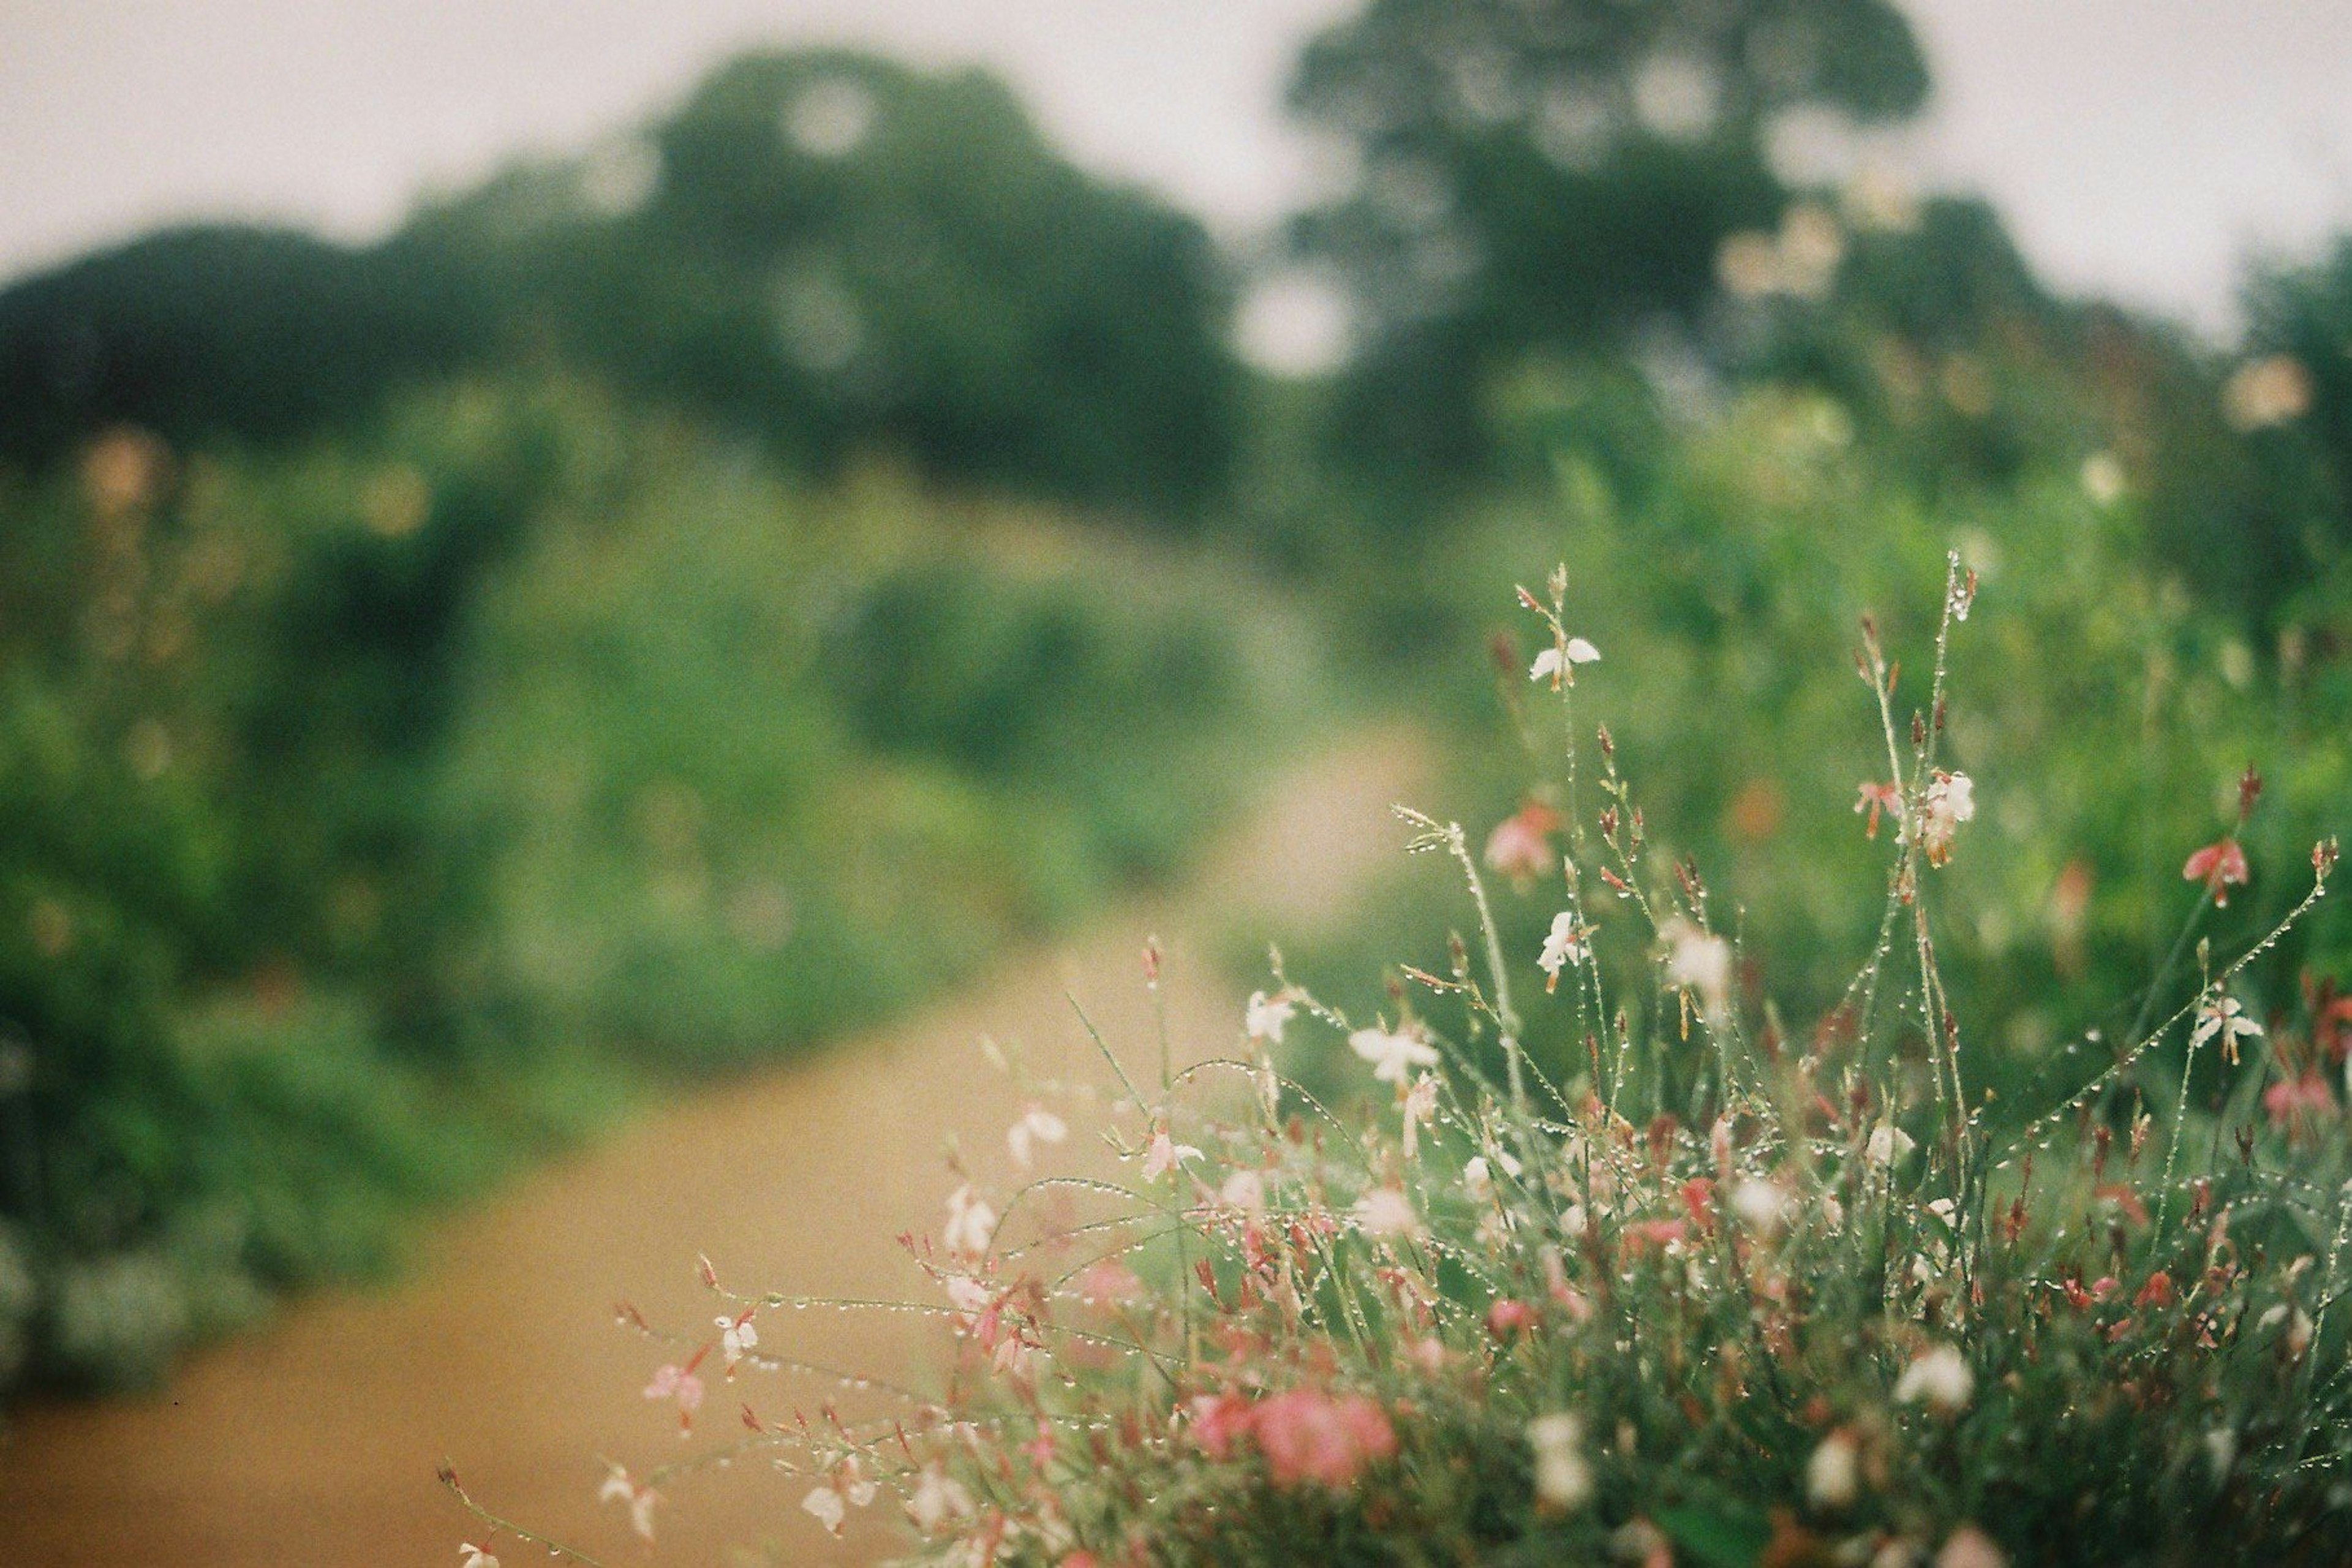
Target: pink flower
[[2218, 866], [1308, 1435], [1218, 1420], [674, 1382], [1876, 798], [1507, 1317], [475, 1556], [1663, 1233], [1108, 1282], [2331, 1019], [1520, 846], [2296, 1101], [1164, 1155]]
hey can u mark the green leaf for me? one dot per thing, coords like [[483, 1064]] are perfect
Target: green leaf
[[1716, 1538]]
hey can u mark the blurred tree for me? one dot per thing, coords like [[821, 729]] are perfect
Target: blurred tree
[[2293, 398], [829, 252], [2306, 314], [211, 331], [1557, 174], [835, 254]]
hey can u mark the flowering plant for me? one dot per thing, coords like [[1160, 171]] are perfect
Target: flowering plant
[[1683, 1286]]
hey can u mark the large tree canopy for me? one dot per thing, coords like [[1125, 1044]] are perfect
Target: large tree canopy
[[211, 330], [1556, 173], [838, 253]]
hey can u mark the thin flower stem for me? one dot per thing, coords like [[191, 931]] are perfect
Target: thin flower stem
[[447, 1476]]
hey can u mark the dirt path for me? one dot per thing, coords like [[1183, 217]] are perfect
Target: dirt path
[[314, 1443]]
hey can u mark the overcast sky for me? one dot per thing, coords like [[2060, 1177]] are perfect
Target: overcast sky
[[2141, 148]]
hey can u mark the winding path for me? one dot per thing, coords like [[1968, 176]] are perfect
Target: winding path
[[314, 1442]]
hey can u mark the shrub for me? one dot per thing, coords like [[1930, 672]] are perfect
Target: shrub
[[500, 760]]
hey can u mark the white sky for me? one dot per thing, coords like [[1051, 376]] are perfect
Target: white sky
[[2139, 147]]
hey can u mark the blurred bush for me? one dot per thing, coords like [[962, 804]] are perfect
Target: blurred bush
[[754, 763], [372, 813], [1723, 571]]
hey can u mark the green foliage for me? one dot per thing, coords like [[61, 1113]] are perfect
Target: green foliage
[[215, 332], [1708, 1290], [832, 254], [1555, 176], [1725, 573], [842, 256], [371, 814], [752, 765], [1961, 372]]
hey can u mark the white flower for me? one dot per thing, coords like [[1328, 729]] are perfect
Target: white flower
[[848, 1487], [1420, 1106], [972, 1223], [2221, 1447], [618, 1488], [1888, 1144], [1385, 1212], [1760, 1205], [1564, 1478], [1392, 1054], [938, 1498], [1701, 960], [1163, 1154], [1246, 1190], [1558, 661], [737, 1336], [1477, 1180], [1833, 1475], [1951, 800], [1968, 1547], [475, 1557], [1267, 1015], [1564, 946], [971, 1297], [2223, 1017], [827, 1506], [1941, 1377], [1037, 1125], [2297, 1338]]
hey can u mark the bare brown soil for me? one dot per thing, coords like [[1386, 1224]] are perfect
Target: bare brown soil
[[315, 1442]]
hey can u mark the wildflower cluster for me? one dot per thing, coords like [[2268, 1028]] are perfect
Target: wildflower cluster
[[1681, 1287]]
